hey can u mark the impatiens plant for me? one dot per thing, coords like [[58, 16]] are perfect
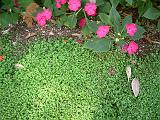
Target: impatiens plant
[[105, 30]]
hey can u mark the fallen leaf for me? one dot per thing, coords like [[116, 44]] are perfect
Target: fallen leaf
[[30, 35], [111, 71], [19, 66], [79, 41], [65, 41], [92, 1], [77, 35], [51, 33], [128, 72], [135, 86]]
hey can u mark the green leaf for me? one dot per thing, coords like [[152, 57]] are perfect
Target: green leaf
[[105, 19], [85, 30], [8, 3], [127, 19], [139, 33], [105, 8], [99, 45], [92, 25], [48, 4], [129, 2], [114, 3], [6, 18], [143, 6], [99, 2], [71, 21], [25, 3], [115, 18], [152, 13]]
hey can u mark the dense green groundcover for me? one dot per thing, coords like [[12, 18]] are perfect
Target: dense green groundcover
[[64, 81]]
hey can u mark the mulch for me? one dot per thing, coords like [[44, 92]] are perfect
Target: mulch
[[20, 33]]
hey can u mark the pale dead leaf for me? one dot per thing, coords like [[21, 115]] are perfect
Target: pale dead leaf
[[19, 66], [30, 35], [51, 33], [135, 86], [128, 72], [92, 1], [111, 71], [77, 35]]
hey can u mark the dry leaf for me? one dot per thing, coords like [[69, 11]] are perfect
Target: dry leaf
[[28, 18], [135, 86], [30, 35], [92, 1], [128, 72], [111, 71], [77, 35], [19, 66], [51, 33]]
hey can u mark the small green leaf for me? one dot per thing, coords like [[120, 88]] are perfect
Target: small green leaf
[[129, 2], [99, 45], [105, 8], [115, 18], [85, 30], [71, 21], [105, 19], [114, 3], [92, 25], [6, 18], [48, 4], [152, 13], [25, 3], [139, 33], [99, 2]]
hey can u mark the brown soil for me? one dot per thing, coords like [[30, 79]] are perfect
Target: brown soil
[[20, 33]]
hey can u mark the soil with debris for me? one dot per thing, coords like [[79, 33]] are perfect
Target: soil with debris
[[20, 33]]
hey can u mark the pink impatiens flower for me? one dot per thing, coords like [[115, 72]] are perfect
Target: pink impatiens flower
[[102, 31], [132, 48], [82, 22], [43, 17], [47, 13], [59, 3], [63, 1], [90, 9], [74, 5], [131, 29], [124, 48]]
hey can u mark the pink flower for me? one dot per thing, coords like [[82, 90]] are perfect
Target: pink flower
[[124, 48], [131, 29], [63, 1], [58, 5], [82, 22], [41, 19], [132, 48], [74, 5], [102, 31], [47, 13], [90, 9]]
